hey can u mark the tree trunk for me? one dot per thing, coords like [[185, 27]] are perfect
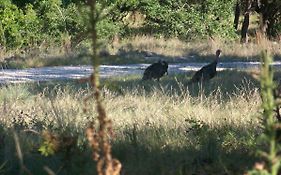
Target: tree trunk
[[246, 22], [263, 24], [237, 15], [245, 26]]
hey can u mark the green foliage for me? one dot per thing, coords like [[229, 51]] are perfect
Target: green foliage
[[47, 148], [74, 23], [48, 21], [189, 20], [52, 16], [56, 18], [107, 29], [10, 19], [30, 23], [57, 21]]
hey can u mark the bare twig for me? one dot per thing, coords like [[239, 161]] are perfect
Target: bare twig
[[20, 156], [49, 171]]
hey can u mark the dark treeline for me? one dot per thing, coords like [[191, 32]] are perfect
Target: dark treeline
[[31, 23], [269, 12]]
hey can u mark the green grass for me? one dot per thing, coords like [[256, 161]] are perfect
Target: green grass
[[161, 127]]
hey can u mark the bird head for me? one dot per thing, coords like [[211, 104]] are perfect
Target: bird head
[[164, 63], [218, 52]]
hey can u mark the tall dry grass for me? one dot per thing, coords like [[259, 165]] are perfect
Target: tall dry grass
[[161, 130], [160, 109], [127, 50], [62, 108], [174, 47]]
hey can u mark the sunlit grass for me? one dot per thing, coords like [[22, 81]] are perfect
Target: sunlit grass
[[161, 127], [232, 49], [134, 49]]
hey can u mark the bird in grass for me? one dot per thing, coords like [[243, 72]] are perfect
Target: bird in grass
[[207, 72], [155, 70]]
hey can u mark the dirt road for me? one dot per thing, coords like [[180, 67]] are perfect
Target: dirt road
[[76, 72]]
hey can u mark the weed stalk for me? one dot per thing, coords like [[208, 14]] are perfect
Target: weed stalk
[[99, 138], [270, 125]]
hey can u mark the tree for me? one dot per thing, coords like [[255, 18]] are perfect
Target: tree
[[237, 14], [270, 17], [246, 22]]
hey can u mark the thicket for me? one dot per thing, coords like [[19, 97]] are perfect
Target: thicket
[[183, 19], [29, 23]]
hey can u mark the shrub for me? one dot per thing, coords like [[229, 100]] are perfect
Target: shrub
[[188, 20], [10, 25]]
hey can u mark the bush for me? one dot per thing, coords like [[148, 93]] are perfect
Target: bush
[[187, 20], [51, 21], [11, 19]]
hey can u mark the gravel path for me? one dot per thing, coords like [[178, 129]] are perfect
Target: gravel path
[[76, 72]]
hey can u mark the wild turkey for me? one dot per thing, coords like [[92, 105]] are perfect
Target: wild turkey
[[155, 70], [207, 72]]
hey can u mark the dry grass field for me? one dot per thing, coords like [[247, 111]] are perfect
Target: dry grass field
[[167, 127], [136, 49], [161, 127]]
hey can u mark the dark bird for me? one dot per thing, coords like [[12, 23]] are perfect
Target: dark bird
[[207, 72], [155, 70]]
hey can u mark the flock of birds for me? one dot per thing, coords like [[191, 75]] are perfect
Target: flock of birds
[[159, 69]]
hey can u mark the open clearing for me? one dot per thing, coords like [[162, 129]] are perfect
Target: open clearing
[[76, 72]]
